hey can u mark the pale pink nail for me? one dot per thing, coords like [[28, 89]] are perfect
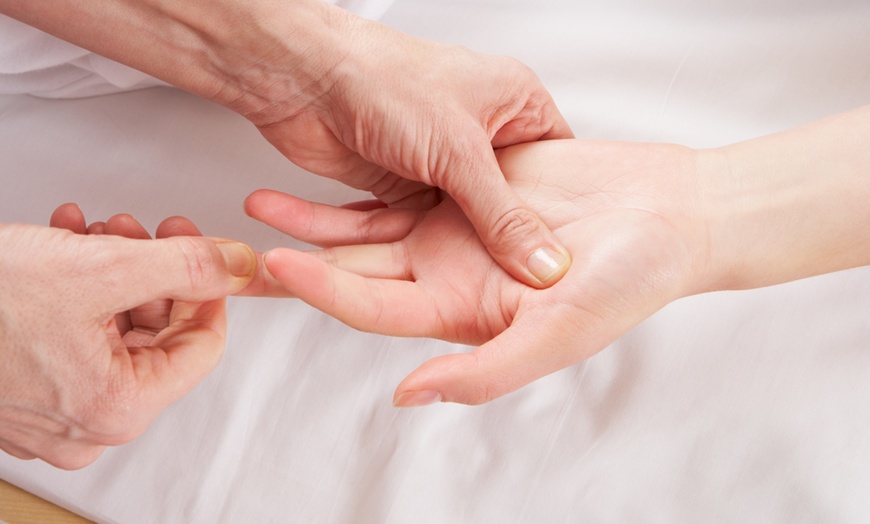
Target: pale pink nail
[[415, 399]]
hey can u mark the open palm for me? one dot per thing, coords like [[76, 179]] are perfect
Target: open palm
[[624, 211]]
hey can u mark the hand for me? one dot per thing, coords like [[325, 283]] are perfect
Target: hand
[[346, 98], [645, 223], [399, 116], [626, 212], [99, 333]]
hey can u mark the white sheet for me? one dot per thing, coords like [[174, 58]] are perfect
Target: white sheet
[[730, 407]]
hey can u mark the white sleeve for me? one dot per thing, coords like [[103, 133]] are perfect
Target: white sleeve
[[36, 63]]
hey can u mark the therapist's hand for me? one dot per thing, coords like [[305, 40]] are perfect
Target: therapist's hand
[[625, 211], [99, 333], [403, 115], [345, 98]]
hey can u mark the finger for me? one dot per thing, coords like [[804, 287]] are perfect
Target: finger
[[97, 228], [324, 225], [372, 261], [398, 308], [369, 260], [538, 121], [515, 237], [534, 346], [364, 205], [125, 225], [153, 317], [179, 268], [177, 226], [69, 216], [190, 336], [320, 151], [182, 354], [264, 284]]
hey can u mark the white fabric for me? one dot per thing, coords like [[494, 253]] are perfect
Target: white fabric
[[730, 407], [36, 63]]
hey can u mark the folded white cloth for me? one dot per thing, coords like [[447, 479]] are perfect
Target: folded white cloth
[[36, 63]]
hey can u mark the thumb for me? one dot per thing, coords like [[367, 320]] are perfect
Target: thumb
[[186, 268], [516, 238], [534, 346]]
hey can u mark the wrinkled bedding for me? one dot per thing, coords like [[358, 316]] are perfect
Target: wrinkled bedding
[[726, 407]]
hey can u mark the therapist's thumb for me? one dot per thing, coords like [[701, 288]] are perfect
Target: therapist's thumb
[[515, 236], [191, 269]]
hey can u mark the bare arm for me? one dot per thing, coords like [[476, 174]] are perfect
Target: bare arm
[[226, 51], [790, 205]]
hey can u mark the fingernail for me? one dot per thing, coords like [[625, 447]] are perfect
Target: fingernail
[[544, 263], [240, 259], [415, 399]]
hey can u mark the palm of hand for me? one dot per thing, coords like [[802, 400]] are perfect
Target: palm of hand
[[622, 210]]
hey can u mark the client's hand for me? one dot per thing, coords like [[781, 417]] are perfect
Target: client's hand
[[645, 224], [99, 333], [623, 210]]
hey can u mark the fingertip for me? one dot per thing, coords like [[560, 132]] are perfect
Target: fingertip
[[177, 226], [530, 349], [96, 228], [69, 216], [285, 265], [264, 204], [239, 258], [524, 246], [414, 399], [251, 201], [264, 283], [125, 225], [548, 265], [514, 235], [457, 378]]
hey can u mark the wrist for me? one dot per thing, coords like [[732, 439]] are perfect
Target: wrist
[[268, 61], [790, 205]]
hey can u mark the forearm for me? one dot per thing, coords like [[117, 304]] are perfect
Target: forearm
[[791, 205], [248, 55]]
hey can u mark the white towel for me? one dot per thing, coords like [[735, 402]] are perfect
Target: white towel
[[33, 62]]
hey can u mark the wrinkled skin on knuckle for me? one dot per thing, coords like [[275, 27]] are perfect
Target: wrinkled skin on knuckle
[[457, 155], [510, 229], [199, 261]]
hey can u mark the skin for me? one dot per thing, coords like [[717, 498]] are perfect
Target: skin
[[646, 224], [90, 359], [345, 98], [338, 95]]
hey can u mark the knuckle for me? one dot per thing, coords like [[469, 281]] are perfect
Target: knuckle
[[199, 261], [483, 394], [513, 226]]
